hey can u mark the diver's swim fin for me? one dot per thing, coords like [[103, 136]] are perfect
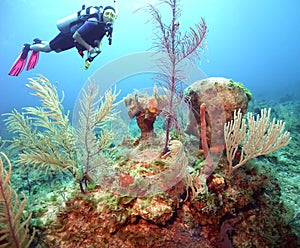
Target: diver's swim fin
[[33, 59], [20, 62], [34, 56]]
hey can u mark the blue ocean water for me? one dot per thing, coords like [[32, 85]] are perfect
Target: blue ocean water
[[252, 41]]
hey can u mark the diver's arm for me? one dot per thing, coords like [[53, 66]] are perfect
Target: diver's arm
[[80, 40], [87, 46]]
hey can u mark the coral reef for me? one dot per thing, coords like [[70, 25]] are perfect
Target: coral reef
[[245, 204], [184, 207]]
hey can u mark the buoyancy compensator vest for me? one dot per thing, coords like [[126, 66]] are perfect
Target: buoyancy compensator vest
[[71, 23]]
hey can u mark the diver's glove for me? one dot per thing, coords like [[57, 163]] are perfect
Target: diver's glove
[[94, 50]]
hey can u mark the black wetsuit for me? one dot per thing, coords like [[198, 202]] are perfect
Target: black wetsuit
[[90, 31]]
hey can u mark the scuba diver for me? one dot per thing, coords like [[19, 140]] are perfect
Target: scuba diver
[[83, 30]]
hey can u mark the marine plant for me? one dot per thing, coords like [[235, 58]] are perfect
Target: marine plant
[[14, 232], [45, 139], [257, 137], [177, 46]]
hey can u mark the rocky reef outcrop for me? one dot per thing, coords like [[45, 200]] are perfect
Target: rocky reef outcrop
[[145, 109], [221, 96]]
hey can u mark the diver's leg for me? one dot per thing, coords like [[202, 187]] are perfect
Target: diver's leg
[[61, 42], [41, 47]]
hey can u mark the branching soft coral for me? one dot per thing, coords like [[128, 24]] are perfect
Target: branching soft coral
[[45, 139], [93, 138], [43, 135], [178, 47], [257, 136], [169, 39], [14, 232]]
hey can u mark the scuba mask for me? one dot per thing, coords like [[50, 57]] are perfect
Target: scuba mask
[[109, 14]]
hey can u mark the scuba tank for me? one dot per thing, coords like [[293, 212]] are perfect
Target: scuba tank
[[71, 23]]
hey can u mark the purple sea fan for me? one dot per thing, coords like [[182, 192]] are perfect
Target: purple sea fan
[[178, 47]]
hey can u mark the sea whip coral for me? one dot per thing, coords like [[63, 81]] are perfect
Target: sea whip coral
[[204, 138], [168, 39]]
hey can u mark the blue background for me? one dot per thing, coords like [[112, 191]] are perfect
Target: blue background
[[252, 41]]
